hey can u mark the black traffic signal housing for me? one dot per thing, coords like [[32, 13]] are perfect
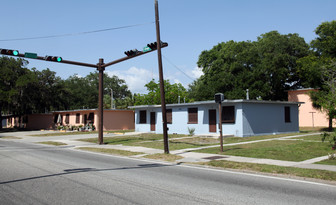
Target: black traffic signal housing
[[132, 52], [9, 52], [53, 58], [219, 97], [153, 46]]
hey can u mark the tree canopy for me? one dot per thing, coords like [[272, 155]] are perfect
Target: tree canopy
[[172, 93], [267, 67], [319, 69], [83, 91], [25, 91]]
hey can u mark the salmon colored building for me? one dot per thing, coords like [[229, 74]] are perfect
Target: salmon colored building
[[31, 121], [308, 115], [113, 119]]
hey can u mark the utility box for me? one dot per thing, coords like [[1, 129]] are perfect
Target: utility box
[[219, 97]]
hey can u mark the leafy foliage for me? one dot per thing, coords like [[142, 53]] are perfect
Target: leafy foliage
[[331, 137], [172, 92], [319, 69], [24, 91], [83, 91], [267, 67]]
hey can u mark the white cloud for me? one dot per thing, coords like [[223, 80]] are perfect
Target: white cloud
[[135, 78], [177, 81], [196, 72]]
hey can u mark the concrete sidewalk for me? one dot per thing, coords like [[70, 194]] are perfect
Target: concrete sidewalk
[[187, 154]]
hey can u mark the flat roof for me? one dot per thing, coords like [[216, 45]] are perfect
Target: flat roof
[[213, 102], [86, 110]]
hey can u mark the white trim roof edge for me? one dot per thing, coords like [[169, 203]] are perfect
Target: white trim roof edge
[[213, 102]]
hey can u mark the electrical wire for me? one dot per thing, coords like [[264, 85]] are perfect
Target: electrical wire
[[75, 34], [178, 68]]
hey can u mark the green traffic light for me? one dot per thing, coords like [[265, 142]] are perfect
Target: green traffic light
[[15, 52], [59, 59]]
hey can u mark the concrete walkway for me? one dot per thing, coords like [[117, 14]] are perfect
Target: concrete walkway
[[187, 154]]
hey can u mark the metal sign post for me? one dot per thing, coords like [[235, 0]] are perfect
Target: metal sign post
[[219, 98]]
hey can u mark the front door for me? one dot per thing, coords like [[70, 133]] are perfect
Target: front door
[[152, 121], [212, 121]]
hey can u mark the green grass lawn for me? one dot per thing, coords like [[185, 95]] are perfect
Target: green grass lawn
[[176, 144], [110, 151], [131, 140], [288, 150], [327, 162], [62, 134], [164, 157], [11, 137], [230, 140], [53, 143], [313, 129], [292, 171], [317, 138]]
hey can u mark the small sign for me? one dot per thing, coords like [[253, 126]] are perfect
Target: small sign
[[30, 55], [146, 49]]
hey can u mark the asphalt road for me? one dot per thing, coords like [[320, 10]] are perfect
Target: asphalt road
[[38, 174]]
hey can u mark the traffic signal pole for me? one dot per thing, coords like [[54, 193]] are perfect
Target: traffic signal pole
[[101, 69], [100, 66]]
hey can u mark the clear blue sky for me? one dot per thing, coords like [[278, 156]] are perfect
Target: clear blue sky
[[189, 26]]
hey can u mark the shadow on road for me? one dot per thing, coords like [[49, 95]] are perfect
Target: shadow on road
[[85, 170]]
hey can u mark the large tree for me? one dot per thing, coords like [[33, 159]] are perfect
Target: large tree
[[319, 69], [153, 97], [48, 92], [24, 91], [13, 75], [83, 91], [267, 67]]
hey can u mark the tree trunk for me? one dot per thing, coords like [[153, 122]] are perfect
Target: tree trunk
[[0, 118], [330, 129]]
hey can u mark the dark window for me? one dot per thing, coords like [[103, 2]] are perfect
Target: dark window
[[84, 120], [55, 118], [67, 118], [143, 117], [77, 118], [192, 115], [169, 113], [91, 117], [25, 119], [228, 114], [287, 114]]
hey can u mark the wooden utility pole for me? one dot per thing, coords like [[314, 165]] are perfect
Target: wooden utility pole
[[163, 100]]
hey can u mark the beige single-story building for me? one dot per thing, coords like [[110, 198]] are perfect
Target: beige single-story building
[[308, 115]]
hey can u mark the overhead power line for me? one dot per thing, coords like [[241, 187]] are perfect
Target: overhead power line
[[75, 34], [178, 68]]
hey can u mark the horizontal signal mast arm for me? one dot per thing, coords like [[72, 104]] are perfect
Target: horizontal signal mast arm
[[139, 53], [63, 61]]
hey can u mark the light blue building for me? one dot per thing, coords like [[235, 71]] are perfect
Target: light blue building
[[240, 118]]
